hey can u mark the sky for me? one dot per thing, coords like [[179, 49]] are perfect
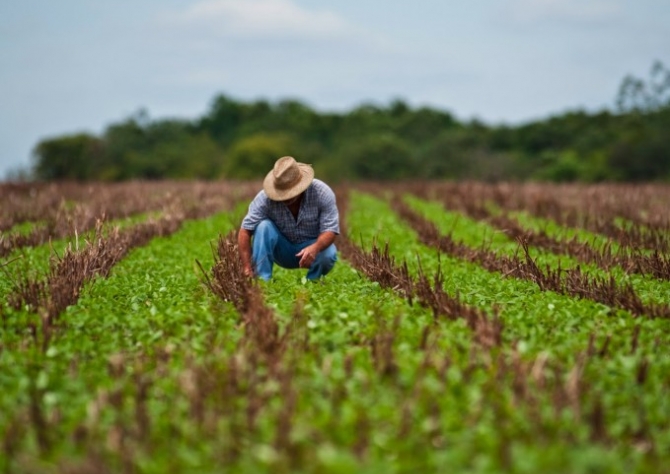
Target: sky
[[80, 65]]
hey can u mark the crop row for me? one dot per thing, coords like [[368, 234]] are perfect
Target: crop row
[[41, 280], [130, 318], [431, 364], [598, 251], [584, 248], [572, 281], [54, 211], [528, 394], [126, 414], [630, 260], [633, 216]]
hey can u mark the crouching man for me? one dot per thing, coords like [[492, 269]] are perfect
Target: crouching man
[[292, 222]]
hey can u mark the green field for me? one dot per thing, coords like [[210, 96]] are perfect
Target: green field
[[141, 347]]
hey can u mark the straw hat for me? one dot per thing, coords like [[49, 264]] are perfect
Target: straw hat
[[287, 179]]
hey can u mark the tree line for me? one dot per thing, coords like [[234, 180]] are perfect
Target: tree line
[[241, 140]]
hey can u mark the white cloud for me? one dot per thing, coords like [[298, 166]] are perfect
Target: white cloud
[[258, 19], [268, 47], [581, 11]]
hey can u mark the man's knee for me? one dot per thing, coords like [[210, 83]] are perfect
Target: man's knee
[[265, 227], [327, 257], [264, 238], [330, 253]]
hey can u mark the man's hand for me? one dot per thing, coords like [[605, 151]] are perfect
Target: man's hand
[[248, 271], [307, 255]]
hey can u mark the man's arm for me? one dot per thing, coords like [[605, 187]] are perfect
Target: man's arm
[[244, 248], [256, 213], [309, 253]]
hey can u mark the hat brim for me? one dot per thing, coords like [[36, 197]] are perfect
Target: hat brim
[[306, 177]]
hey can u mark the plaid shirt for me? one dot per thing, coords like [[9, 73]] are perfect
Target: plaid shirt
[[318, 214]]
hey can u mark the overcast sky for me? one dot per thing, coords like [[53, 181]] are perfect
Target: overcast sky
[[78, 65]]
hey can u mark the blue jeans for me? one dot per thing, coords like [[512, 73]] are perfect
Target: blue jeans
[[269, 246]]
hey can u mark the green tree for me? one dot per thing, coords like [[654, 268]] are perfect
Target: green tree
[[638, 95], [224, 117], [642, 156], [377, 157], [560, 166], [123, 142], [447, 156], [68, 157], [252, 157], [422, 125], [641, 151], [180, 157]]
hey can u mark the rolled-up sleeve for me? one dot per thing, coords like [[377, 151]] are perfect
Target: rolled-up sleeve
[[258, 211], [329, 217]]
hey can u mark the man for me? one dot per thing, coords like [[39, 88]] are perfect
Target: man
[[293, 221]]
